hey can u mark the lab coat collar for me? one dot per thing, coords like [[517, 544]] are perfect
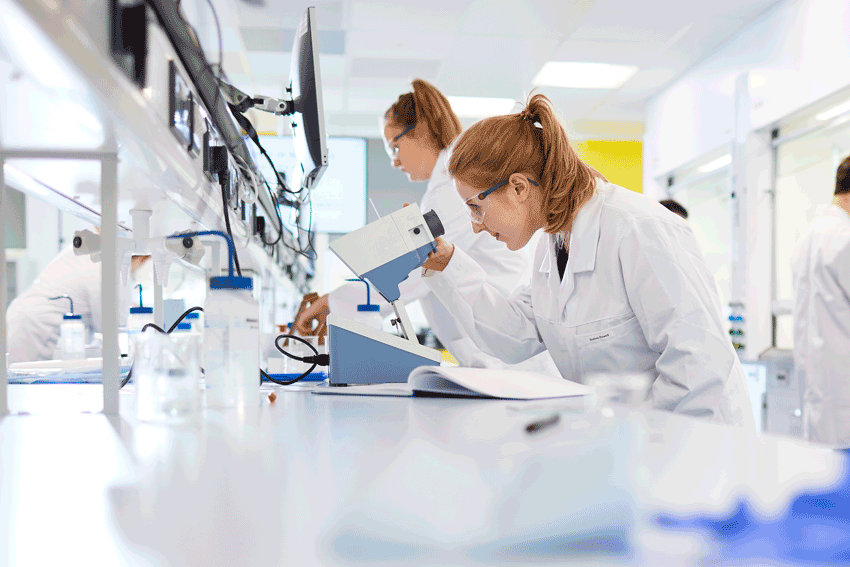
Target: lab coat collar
[[584, 238], [832, 210]]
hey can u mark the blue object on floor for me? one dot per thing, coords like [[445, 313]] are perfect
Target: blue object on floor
[[815, 531]]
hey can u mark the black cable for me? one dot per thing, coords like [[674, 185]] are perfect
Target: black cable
[[223, 177], [180, 319], [158, 328], [317, 360], [153, 326]]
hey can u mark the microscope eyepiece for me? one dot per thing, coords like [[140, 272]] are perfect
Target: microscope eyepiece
[[434, 224]]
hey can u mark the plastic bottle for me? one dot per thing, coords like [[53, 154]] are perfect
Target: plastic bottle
[[72, 334], [231, 343], [139, 316], [368, 313]]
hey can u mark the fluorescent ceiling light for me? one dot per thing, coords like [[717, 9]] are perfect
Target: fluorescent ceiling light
[[583, 75], [716, 164], [481, 107], [835, 111]]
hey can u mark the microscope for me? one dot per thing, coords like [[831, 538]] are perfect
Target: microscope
[[383, 253]]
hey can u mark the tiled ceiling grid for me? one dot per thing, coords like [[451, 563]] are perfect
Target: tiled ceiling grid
[[492, 48]]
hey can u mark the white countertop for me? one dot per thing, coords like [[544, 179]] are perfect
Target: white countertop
[[325, 480]]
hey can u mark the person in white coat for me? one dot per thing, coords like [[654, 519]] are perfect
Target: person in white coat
[[821, 271], [619, 285], [418, 129], [33, 319]]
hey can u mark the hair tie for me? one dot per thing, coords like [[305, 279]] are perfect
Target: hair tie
[[530, 117]]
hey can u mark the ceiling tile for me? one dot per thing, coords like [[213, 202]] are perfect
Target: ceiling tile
[[644, 84], [329, 15], [369, 67], [528, 19], [646, 28], [438, 15], [622, 53], [331, 42], [400, 44], [481, 66]]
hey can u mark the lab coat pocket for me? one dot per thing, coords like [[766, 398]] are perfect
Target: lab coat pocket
[[621, 348]]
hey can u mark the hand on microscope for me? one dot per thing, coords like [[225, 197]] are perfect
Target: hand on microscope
[[438, 260], [318, 311]]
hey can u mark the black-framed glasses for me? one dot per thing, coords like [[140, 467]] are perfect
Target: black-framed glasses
[[392, 150], [475, 212]]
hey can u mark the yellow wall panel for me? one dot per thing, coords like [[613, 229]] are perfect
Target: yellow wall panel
[[620, 161]]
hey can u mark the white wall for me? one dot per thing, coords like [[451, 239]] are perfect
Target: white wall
[[793, 56], [798, 53]]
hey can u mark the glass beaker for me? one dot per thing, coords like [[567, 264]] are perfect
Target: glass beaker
[[626, 389], [167, 371]]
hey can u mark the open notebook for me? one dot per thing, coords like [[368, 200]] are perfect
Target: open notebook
[[468, 382]]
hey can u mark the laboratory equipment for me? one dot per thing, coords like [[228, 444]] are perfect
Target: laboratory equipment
[[167, 371], [306, 107], [139, 316], [231, 351], [308, 122], [783, 397], [383, 253], [628, 389], [368, 313], [231, 342], [72, 334]]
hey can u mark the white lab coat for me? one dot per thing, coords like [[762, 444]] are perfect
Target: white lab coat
[[637, 296], [33, 320], [505, 270], [821, 270]]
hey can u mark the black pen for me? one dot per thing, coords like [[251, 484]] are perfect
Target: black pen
[[543, 423]]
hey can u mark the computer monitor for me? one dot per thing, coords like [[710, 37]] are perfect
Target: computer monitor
[[339, 201], [308, 121]]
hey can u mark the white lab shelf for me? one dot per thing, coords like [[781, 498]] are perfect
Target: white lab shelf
[[69, 116]]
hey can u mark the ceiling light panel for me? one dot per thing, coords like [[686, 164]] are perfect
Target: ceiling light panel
[[722, 161], [583, 75], [834, 111], [480, 106]]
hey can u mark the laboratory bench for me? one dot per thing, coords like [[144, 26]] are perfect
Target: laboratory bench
[[347, 480]]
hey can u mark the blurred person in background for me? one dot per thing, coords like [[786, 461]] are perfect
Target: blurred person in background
[[821, 271], [33, 319], [675, 207]]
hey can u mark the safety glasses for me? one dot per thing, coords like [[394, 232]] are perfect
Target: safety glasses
[[475, 212], [392, 147]]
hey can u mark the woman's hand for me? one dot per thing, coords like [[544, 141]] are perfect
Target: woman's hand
[[438, 260], [318, 311]]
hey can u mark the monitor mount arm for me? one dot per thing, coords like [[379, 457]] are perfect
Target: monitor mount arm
[[242, 102]]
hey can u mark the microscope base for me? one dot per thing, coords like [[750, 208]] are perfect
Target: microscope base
[[363, 355]]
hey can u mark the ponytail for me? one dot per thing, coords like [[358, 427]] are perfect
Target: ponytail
[[426, 105], [531, 142]]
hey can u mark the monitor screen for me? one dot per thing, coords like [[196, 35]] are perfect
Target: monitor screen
[[308, 122], [339, 200]]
